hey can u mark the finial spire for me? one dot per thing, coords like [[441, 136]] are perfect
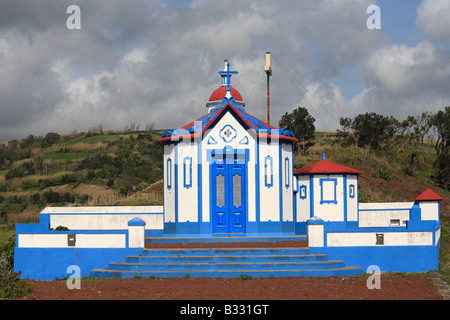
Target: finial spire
[[324, 157], [226, 76]]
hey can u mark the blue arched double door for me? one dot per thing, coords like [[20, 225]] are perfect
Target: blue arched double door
[[228, 191]]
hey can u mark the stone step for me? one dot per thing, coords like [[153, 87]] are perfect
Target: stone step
[[225, 239], [235, 261], [342, 272], [224, 258], [225, 251], [197, 266]]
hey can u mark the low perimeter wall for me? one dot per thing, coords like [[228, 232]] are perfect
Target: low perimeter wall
[[413, 247], [104, 218], [44, 254]]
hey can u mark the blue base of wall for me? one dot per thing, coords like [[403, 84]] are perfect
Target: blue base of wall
[[196, 228], [52, 263], [175, 228], [300, 228], [387, 258]]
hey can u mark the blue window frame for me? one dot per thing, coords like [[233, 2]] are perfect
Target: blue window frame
[[187, 172], [286, 172], [351, 191], [268, 171], [302, 192], [169, 173], [328, 190]]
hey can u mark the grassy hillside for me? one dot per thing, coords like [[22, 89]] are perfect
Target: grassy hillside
[[77, 169]]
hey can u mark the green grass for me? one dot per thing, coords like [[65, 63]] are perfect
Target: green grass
[[444, 252], [69, 156], [98, 138], [5, 235]]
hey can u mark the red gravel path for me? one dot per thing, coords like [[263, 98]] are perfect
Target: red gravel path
[[393, 286]]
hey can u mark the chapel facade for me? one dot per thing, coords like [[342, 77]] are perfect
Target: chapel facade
[[228, 171]]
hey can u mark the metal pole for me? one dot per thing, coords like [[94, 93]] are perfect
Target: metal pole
[[268, 99], [268, 70]]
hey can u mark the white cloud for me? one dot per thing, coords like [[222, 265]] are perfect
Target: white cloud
[[433, 19], [404, 80], [326, 104], [137, 55], [409, 71]]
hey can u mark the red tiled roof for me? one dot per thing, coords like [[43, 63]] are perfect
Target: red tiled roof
[[325, 166], [220, 92], [429, 195]]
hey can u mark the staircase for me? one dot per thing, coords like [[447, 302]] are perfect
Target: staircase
[[267, 261]]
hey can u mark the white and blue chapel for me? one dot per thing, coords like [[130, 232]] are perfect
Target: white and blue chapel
[[227, 175]]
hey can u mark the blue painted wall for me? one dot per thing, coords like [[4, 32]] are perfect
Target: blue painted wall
[[52, 263], [388, 258]]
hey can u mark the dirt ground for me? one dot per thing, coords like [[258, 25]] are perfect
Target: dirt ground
[[392, 287]]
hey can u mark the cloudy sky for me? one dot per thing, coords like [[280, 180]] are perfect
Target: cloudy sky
[[146, 61]]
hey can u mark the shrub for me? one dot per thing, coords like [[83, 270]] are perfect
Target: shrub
[[383, 174], [442, 169], [11, 286], [30, 184], [15, 173], [8, 249], [50, 139], [61, 228]]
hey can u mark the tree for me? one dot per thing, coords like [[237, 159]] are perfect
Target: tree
[[50, 139], [423, 125], [370, 129], [406, 128], [441, 123], [442, 169], [301, 123]]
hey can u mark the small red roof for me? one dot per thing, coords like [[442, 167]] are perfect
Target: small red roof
[[429, 195], [325, 166], [220, 92]]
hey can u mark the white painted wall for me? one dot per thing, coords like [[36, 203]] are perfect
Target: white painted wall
[[136, 236], [430, 210], [187, 196], [286, 176], [384, 214], [355, 239], [103, 210], [303, 205], [352, 203], [105, 221], [315, 235], [269, 196], [385, 205], [104, 218], [169, 194], [82, 241], [383, 218], [329, 211]]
